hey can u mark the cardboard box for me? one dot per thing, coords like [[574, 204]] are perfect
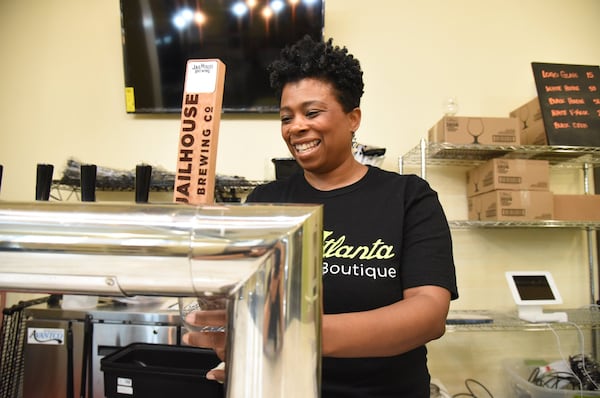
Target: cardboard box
[[535, 134], [476, 130], [528, 113], [513, 174], [577, 207], [504, 205], [531, 123]]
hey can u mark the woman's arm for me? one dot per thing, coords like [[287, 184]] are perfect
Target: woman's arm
[[391, 330]]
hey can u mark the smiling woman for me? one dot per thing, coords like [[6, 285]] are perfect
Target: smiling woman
[[387, 249], [313, 123]]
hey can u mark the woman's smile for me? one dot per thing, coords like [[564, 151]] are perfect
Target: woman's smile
[[303, 148]]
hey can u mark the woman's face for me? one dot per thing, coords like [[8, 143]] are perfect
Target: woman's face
[[314, 126]]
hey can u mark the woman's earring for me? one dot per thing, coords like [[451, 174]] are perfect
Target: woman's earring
[[354, 142]]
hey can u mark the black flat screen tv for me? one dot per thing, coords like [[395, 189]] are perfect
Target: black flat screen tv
[[159, 36]]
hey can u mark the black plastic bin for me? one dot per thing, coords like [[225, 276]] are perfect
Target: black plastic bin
[[158, 371]]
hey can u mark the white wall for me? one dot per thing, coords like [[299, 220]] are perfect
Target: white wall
[[62, 96]]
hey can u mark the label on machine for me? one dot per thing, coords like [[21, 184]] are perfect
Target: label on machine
[[47, 336]]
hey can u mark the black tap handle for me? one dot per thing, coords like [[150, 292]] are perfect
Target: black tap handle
[[43, 181], [1, 170], [143, 176], [88, 182]]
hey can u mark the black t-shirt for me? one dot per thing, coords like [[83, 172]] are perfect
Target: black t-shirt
[[382, 234]]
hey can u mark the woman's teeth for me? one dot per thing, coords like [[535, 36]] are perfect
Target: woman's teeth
[[306, 146]]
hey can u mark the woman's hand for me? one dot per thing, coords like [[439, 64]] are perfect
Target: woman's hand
[[207, 339]]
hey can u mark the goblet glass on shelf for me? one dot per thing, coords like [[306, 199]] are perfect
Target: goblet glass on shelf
[[450, 106], [475, 128]]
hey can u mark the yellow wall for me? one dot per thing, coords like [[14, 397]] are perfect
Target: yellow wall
[[62, 79], [62, 96]]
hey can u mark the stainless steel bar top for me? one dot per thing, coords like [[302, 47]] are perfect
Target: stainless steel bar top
[[265, 259], [127, 249]]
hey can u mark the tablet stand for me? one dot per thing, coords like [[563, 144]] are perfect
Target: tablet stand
[[534, 314]]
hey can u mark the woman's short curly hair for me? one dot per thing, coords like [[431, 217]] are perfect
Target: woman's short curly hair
[[322, 60]]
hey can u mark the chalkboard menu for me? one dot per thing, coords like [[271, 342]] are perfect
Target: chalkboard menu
[[569, 98]]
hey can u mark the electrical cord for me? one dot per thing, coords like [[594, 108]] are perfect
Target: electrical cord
[[578, 363], [587, 370], [554, 380], [562, 356], [582, 373], [471, 393]]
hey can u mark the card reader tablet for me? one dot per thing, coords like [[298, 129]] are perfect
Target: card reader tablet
[[532, 290]]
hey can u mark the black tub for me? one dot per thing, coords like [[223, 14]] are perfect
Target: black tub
[[157, 370]]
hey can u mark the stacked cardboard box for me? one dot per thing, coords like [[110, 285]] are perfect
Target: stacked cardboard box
[[577, 207], [476, 130], [532, 128], [508, 174], [524, 126], [510, 190]]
